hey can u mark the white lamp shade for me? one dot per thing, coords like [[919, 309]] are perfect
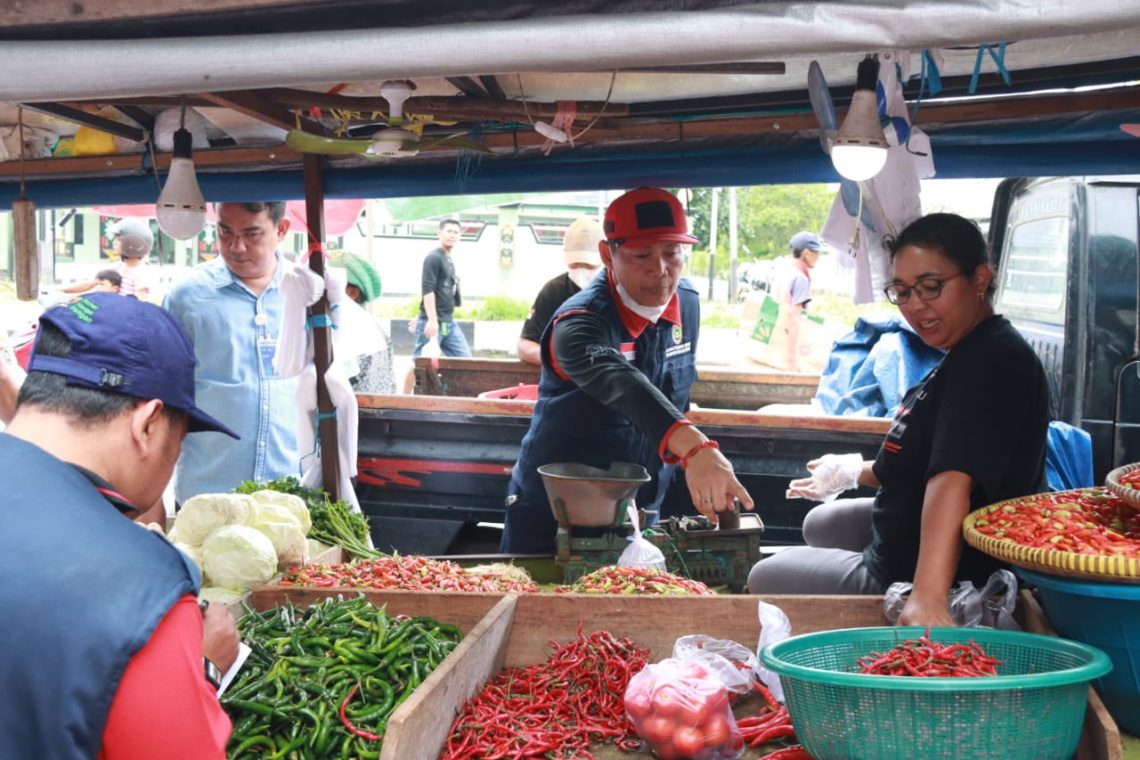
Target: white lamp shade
[[181, 208], [859, 151]]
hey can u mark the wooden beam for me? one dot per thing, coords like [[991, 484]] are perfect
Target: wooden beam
[[138, 115], [322, 334], [467, 86], [253, 105], [132, 163], [492, 86], [80, 116], [449, 107]]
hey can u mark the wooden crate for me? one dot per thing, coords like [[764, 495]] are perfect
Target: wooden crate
[[518, 630]]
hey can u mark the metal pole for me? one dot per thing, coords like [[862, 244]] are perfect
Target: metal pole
[[712, 238], [732, 244]]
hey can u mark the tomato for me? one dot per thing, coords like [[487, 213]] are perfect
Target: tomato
[[665, 700], [666, 751], [735, 742], [692, 670], [656, 729], [637, 704], [715, 730], [688, 741], [717, 702], [690, 709]]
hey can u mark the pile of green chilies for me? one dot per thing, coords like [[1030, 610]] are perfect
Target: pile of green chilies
[[323, 681]]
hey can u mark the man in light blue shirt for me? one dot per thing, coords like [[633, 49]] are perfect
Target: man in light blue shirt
[[231, 308]]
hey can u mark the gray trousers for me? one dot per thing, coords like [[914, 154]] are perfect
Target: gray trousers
[[836, 533]]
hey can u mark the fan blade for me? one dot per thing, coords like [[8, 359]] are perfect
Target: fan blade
[[456, 141], [1132, 129], [822, 106], [306, 142]]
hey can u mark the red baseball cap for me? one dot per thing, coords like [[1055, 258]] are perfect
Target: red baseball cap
[[645, 216]]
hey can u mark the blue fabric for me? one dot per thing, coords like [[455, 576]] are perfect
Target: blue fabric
[[1068, 458], [569, 426], [871, 368], [84, 588], [234, 333]]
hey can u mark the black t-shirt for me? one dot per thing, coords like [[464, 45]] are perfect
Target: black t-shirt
[[553, 294], [439, 278], [983, 411]]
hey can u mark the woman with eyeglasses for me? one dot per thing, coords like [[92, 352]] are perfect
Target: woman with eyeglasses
[[971, 433]]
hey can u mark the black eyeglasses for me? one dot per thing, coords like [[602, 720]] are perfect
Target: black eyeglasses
[[926, 288]]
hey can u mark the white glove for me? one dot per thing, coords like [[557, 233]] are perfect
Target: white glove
[[831, 475]]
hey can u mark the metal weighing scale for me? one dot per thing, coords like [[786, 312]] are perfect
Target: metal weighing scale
[[585, 497]]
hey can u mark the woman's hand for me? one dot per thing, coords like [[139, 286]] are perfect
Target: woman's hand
[[925, 612], [831, 475]]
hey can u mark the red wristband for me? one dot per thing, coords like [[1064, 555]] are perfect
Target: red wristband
[[709, 444]]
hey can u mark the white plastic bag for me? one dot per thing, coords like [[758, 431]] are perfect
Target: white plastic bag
[[734, 664], [992, 607], [431, 349], [640, 552], [774, 627]]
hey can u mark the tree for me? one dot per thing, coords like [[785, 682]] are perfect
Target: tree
[[768, 217]]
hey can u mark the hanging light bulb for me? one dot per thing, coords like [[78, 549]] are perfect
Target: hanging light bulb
[[181, 208], [859, 151]]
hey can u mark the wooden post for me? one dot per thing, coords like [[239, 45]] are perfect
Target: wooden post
[[27, 256], [322, 343]]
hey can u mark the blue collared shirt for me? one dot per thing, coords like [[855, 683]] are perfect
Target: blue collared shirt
[[234, 333]]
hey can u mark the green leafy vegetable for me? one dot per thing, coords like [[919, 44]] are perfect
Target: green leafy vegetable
[[334, 522]]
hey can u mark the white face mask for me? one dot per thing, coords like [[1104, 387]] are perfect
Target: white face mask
[[652, 313], [582, 276]]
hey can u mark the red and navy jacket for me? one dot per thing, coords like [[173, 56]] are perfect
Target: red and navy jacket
[[616, 398]]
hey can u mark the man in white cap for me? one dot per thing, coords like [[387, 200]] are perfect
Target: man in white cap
[[583, 262], [133, 241]]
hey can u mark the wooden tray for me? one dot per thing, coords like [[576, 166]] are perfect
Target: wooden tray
[[1086, 567]]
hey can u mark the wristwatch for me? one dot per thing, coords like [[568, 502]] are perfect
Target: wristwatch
[[213, 675]]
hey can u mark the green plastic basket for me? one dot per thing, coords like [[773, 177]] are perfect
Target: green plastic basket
[[1034, 709]]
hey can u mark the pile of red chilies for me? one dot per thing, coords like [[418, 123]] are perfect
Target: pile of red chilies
[[555, 709], [926, 658], [1092, 521], [1132, 479], [401, 574], [770, 724], [634, 580]]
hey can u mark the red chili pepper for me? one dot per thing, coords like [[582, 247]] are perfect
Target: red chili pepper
[[348, 724], [794, 752]]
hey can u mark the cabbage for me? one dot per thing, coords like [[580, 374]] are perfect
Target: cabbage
[[280, 525], [201, 515], [193, 553], [294, 504], [218, 595], [238, 557]]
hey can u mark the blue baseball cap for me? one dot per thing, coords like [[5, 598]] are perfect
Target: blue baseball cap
[[806, 240], [123, 345]]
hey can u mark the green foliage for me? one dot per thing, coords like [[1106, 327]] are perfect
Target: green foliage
[[406, 309], [767, 217], [715, 314], [838, 309], [495, 309]]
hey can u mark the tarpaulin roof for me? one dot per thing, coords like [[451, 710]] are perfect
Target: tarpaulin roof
[[681, 93]]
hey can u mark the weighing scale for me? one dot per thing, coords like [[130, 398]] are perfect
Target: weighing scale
[[587, 500]]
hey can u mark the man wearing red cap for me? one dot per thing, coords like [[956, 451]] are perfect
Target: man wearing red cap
[[618, 362]]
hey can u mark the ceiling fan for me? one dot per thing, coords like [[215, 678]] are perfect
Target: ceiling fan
[[401, 138]]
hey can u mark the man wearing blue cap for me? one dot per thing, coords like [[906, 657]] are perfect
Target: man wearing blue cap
[[106, 656], [793, 293]]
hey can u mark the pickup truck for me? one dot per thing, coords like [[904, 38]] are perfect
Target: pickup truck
[[1066, 251]]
